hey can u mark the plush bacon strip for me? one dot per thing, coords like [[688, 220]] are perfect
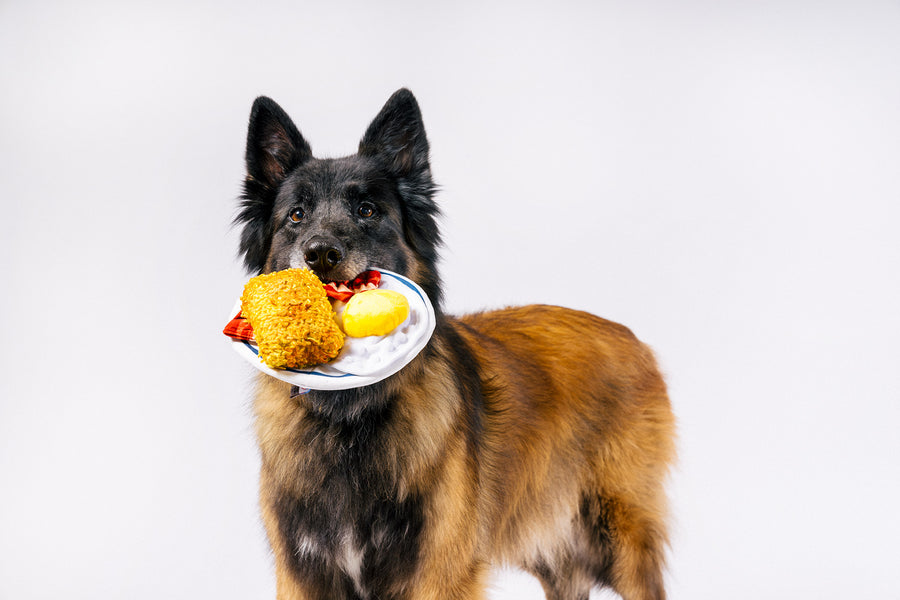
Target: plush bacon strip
[[239, 329]]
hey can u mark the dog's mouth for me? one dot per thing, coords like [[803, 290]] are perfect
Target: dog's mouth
[[340, 276], [343, 290]]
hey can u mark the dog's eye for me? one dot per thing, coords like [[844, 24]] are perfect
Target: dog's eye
[[366, 210], [297, 215]]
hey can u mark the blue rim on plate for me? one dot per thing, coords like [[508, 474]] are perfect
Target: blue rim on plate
[[337, 376]]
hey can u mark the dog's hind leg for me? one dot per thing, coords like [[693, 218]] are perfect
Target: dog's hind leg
[[557, 589], [628, 544], [563, 579]]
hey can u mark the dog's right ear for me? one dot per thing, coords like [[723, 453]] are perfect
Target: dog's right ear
[[274, 149], [274, 144]]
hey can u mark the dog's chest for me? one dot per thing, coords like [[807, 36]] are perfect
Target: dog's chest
[[364, 546], [349, 534]]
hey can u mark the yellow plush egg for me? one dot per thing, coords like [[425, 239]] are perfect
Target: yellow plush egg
[[376, 312]]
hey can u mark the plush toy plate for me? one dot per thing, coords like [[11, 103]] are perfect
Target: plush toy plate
[[366, 360]]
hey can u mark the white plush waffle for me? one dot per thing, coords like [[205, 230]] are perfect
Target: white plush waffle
[[366, 360]]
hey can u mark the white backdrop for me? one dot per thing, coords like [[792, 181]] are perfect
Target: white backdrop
[[723, 177]]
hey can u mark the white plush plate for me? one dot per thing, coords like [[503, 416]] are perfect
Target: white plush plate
[[362, 361]]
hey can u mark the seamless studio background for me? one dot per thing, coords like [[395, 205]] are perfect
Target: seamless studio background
[[722, 177]]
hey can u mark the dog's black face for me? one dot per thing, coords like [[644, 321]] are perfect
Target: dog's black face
[[338, 217]]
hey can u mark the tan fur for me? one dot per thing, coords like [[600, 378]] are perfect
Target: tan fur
[[534, 436], [575, 409]]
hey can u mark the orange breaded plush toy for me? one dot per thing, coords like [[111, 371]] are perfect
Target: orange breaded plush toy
[[292, 319]]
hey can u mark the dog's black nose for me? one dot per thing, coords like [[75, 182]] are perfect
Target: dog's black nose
[[322, 255]]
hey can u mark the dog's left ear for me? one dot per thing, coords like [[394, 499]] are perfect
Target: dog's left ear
[[396, 139], [397, 135]]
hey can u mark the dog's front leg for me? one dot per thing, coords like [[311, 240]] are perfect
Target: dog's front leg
[[451, 565], [287, 588], [302, 570], [452, 582]]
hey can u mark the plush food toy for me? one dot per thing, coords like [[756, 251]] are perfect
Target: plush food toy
[[376, 312], [292, 319], [295, 321]]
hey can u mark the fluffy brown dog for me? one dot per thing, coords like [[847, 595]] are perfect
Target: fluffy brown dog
[[534, 436]]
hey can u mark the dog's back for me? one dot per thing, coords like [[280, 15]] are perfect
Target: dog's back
[[579, 435]]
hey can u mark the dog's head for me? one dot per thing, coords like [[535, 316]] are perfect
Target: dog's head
[[341, 216]]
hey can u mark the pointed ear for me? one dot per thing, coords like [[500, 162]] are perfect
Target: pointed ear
[[397, 136], [274, 144], [274, 148]]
